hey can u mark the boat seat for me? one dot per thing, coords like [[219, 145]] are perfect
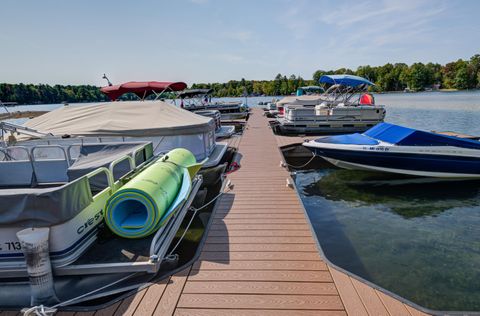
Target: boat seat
[[43, 206], [94, 156], [16, 174]]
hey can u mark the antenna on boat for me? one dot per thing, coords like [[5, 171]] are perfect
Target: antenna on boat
[[106, 78]]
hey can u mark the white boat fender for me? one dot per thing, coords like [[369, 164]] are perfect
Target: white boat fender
[[35, 248]]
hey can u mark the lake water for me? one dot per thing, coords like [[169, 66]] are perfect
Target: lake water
[[418, 239]]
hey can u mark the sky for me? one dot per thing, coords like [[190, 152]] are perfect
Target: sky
[[75, 42]]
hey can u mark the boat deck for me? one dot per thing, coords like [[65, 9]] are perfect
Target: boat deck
[[260, 257]]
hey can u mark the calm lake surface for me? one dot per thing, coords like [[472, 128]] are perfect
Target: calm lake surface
[[415, 237]]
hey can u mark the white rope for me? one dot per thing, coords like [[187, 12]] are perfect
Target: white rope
[[298, 167], [39, 311]]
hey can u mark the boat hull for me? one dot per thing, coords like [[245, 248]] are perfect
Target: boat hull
[[327, 128], [418, 164]]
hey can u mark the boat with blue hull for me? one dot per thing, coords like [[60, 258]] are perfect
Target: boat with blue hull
[[397, 149]]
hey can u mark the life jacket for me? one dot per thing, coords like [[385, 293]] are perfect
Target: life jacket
[[367, 99]]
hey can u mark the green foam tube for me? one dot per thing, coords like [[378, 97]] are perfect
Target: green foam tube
[[138, 208]]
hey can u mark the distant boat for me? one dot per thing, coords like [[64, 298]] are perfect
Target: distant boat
[[345, 107], [397, 149], [200, 99]]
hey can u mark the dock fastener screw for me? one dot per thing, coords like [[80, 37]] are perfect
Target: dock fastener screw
[[289, 183]]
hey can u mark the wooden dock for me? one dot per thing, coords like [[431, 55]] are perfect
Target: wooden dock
[[260, 257]]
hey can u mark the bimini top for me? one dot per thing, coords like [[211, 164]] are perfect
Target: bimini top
[[193, 92], [142, 88], [129, 119], [346, 80], [400, 136]]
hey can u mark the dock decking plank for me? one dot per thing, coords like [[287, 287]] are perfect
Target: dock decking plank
[[150, 299], [265, 227], [254, 312], [370, 299], [261, 265], [351, 299], [256, 287], [260, 275], [266, 255], [168, 302], [287, 302], [394, 307], [258, 240], [130, 304], [260, 247], [259, 233]]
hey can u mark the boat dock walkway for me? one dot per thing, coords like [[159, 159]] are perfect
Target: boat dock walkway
[[260, 257]]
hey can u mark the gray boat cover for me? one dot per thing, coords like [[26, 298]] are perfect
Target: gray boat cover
[[40, 207], [94, 156], [123, 118]]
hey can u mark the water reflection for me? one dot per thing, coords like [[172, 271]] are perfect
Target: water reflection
[[406, 196], [416, 237]]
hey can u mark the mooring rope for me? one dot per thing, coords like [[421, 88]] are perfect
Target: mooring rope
[[41, 310], [298, 167]]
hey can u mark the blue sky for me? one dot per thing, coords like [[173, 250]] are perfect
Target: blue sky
[[75, 42]]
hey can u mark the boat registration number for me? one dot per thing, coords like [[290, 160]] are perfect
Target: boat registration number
[[378, 148], [10, 245]]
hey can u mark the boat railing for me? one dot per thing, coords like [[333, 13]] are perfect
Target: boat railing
[[159, 246]]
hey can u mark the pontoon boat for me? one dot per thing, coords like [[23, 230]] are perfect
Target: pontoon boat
[[200, 99], [344, 107], [55, 245]]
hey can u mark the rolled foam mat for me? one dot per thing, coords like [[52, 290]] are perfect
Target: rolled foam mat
[[136, 210]]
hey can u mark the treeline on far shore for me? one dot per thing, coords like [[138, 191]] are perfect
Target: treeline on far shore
[[459, 75], [46, 94]]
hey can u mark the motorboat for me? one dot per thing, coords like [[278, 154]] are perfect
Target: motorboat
[[165, 125], [200, 99], [402, 150], [86, 222], [345, 107]]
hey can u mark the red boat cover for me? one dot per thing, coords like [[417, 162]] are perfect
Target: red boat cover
[[142, 88]]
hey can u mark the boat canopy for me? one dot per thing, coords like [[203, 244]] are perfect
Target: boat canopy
[[128, 118], [404, 136], [194, 92], [142, 88], [346, 80], [309, 89]]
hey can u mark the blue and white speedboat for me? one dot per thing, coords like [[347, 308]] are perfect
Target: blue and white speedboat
[[397, 149]]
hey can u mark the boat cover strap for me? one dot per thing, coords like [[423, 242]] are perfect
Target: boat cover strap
[[39, 207]]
